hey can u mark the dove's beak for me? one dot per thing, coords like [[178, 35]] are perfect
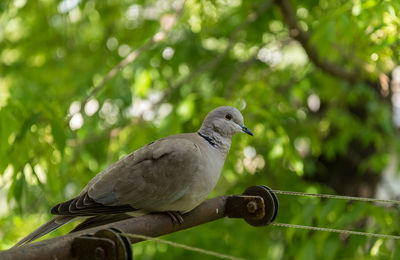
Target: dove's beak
[[246, 130]]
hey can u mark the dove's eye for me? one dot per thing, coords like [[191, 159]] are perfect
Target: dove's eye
[[228, 116]]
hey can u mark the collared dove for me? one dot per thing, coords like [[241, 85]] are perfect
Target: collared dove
[[173, 174]]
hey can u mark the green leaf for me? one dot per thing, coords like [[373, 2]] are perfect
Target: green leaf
[[59, 135]]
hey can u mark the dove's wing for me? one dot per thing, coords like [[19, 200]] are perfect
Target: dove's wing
[[156, 175]]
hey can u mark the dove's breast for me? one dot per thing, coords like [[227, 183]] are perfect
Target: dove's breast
[[204, 179]]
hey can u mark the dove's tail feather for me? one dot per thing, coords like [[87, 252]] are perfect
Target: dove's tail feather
[[100, 220], [44, 229]]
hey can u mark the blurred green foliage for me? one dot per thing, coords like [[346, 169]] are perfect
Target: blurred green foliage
[[314, 131]]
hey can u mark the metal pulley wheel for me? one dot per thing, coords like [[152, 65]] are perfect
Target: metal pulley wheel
[[270, 201]]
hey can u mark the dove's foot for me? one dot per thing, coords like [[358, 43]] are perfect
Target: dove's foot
[[175, 216]]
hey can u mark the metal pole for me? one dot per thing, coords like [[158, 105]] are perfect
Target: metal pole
[[150, 225], [256, 207]]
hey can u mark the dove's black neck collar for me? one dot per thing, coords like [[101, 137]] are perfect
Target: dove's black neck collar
[[208, 139]]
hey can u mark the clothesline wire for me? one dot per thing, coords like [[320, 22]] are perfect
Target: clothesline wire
[[331, 196], [186, 247], [340, 231]]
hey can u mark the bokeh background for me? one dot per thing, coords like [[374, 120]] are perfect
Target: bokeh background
[[83, 83]]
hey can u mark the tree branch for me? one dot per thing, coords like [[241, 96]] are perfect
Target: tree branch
[[303, 38]]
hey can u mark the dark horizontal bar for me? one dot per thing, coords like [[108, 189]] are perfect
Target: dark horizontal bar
[[149, 225]]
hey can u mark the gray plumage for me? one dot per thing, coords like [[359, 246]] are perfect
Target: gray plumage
[[174, 173]]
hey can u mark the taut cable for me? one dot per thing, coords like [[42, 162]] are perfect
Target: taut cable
[[341, 231], [330, 196], [190, 248]]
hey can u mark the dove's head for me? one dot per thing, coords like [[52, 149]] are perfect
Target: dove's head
[[225, 121]]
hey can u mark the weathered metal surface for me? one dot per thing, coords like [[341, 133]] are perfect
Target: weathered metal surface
[[104, 244], [90, 247], [276, 202], [247, 207], [270, 203]]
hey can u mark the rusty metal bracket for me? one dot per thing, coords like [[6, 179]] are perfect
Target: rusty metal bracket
[[258, 206], [107, 244], [247, 207]]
